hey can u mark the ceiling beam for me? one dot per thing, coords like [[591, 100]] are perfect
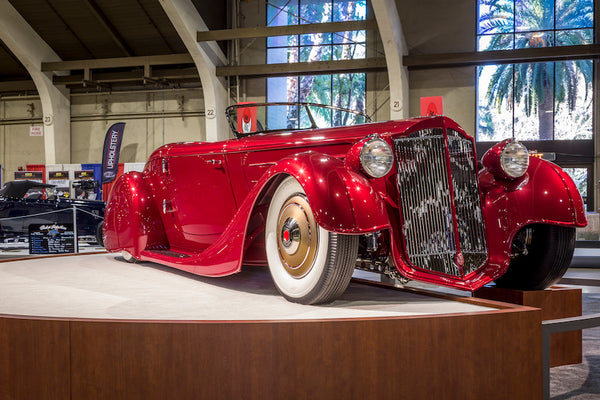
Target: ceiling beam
[[304, 68], [119, 62], [128, 76], [109, 27], [173, 74], [302, 29], [17, 86], [535, 54]]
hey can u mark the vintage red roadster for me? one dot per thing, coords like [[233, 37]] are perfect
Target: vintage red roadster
[[314, 200]]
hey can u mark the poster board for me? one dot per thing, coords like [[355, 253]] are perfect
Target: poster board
[[51, 239]]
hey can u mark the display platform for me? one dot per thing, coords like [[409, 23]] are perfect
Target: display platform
[[95, 327], [555, 303]]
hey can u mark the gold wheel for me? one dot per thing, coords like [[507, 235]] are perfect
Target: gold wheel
[[298, 236]]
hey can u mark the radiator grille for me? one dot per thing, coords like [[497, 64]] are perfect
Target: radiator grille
[[430, 223]]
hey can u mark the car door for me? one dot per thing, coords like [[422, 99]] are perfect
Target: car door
[[199, 198]]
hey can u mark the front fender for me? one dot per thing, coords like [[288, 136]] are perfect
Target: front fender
[[544, 195], [342, 200]]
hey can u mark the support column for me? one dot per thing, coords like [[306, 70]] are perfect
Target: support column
[[31, 50], [395, 47], [207, 56]]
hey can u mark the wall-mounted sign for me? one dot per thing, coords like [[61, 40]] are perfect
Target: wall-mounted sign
[[431, 106], [51, 239], [36, 130], [37, 176], [59, 176], [85, 174]]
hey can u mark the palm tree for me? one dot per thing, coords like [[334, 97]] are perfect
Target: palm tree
[[539, 86]]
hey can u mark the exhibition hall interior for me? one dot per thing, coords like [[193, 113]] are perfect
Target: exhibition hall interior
[[324, 199]]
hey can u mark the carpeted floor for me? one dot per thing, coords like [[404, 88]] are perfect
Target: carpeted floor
[[581, 381]]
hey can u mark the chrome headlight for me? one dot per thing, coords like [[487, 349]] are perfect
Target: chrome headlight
[[514, 159], [376, 157]]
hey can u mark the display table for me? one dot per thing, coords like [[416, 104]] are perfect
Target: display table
[[95, 327], [555, 303]]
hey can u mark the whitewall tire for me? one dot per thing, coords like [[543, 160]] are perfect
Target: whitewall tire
[[309, 265]]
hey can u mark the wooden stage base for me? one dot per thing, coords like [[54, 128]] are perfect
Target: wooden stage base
[[555, 303], [495, 354]]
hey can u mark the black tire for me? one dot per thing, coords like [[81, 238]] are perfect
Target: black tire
[[99, 234], [547, 259], [308, 264]]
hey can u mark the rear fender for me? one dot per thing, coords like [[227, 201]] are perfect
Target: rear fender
[[132, 221], [342, 200]]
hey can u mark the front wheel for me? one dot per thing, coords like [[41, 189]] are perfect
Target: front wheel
[[544, 254], [309, 265]]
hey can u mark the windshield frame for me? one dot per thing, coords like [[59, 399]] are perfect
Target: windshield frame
[[233, 122]]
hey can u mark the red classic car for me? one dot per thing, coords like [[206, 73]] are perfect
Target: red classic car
[[314, 200]]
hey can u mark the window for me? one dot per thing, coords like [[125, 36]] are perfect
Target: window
[[535, 101], [341, 90]]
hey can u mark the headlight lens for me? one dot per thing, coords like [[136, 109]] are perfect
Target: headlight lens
[[376, 157], [514, 159]]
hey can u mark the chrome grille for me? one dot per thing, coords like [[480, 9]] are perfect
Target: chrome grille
[[429, 219], [467, 203]]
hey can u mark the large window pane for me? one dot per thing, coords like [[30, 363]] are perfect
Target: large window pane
[[315, 11], [315, 53], [534, 15], [574, 106], [534, 39], [496, 16], [494, 117], [534, 101], [579, 176], [496, 42], [345, 89], [282, 12], [574, 14], [349, 10], [542, 101], [574, 37]]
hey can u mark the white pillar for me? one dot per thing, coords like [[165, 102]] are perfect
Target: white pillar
[[31, 50], [394, 45], [207, 56]]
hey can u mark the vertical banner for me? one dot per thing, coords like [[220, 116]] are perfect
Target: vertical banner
[[110, 154], [432, 106]]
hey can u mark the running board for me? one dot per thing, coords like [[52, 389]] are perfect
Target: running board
[[164, 254]]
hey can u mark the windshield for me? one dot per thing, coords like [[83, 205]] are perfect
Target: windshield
[[251, 118]]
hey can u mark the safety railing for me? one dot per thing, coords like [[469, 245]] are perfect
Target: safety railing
[[561, 325]]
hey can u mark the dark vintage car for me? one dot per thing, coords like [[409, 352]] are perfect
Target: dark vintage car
[[314, 201], [23, 203]]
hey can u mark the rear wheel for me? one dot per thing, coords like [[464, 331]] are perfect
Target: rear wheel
[[99, 234], [544, 253], [309, 265]]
